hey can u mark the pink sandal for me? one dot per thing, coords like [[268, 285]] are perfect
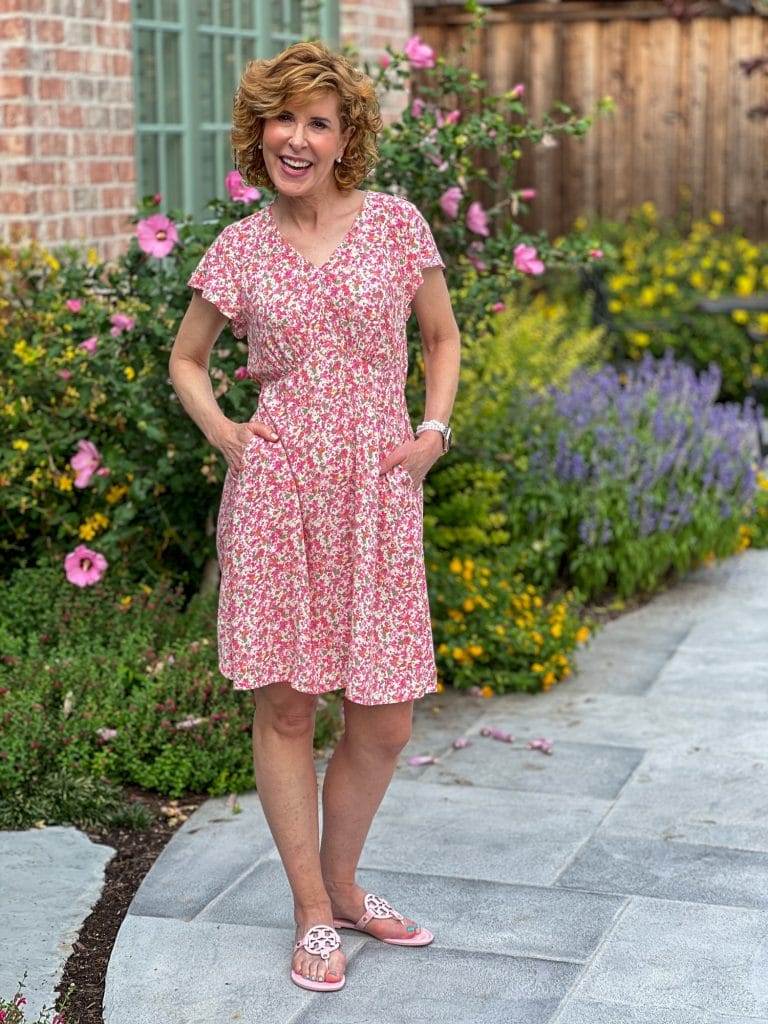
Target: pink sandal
[[376, 906], [319, 939]]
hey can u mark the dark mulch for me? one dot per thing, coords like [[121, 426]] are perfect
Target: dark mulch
[[137, 851]]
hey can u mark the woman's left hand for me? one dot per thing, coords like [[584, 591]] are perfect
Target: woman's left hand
[[415, 456]]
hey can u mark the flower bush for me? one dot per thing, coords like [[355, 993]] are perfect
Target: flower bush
[[657, 271], [643, 471], [495, 631]]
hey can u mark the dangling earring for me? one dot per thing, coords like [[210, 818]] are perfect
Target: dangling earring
[[258, 145], [338, 159]]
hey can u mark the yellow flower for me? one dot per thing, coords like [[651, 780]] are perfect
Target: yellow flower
[[475, 650], [762, 481], [20, 444], [455, 614], [468, 604], [442, 648], [486, 691], [500, 630], [548, 679], [458, 654], [556, 629], [615, 306], [740, 316], [716, 217], [697, 279], [520, 622], [440, 686], [87, 531], [537, 667], [64, 482], [129, 372], [745, 284], [126, 600], [455, 565], [92, 257], [582, 634], [115, 493]]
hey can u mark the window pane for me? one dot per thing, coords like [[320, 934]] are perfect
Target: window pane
[[227, 13], [204, 75], [278, 17], [226, 155], [205, 11], [229, 76], [207, 166], [149, 167], [246, 14], [295, 15], [147, 77], [173, 165], [171, 77], [169, 10], [145, 9]]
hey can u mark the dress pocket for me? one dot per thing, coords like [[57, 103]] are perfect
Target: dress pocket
[[401, 479]]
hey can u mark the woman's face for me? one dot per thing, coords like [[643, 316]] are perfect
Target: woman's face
[[307, 134]]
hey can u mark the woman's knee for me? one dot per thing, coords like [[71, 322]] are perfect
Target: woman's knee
[[384, 728], [278, 706]]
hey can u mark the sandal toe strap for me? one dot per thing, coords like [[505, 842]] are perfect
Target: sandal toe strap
[[320, 939], [377, 906]]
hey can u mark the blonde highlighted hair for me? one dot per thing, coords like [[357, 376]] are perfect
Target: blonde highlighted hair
[[302, 72]]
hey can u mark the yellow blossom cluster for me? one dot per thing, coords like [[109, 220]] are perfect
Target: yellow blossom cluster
[[92, 526]]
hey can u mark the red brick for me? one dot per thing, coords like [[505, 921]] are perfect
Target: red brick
[[15, 144], [14, 86], [52, 144], [14, 115], [13, 202], [13, 28], [69, 60], [48, 30], [50, 88]]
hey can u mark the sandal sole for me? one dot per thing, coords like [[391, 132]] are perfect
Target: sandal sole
[[317, 986], [417, 940]]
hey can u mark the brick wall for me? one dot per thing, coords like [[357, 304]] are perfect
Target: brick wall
[[66, 122], [67, 165]]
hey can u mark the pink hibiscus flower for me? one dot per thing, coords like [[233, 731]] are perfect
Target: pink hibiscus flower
[[419, 54], [477, 219], [526, 259], [238, 190], [85, 462], [74, 305], [450, 200], [120, 322], [418, 107], [89, 344], [157, 235], [83, 566]]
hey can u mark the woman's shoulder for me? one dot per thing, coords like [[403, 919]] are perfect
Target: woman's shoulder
[[397, 209]]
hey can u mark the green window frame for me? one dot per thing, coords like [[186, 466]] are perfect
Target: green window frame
[[187, 58]]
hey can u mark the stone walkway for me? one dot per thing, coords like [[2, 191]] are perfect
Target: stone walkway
[[621, 879]]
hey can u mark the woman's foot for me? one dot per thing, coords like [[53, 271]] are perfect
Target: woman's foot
[[348, 902], [312, 965]]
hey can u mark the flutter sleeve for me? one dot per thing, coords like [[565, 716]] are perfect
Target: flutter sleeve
[[422, 252], [217, 276]]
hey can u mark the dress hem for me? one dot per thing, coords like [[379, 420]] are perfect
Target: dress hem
[[241, 685]]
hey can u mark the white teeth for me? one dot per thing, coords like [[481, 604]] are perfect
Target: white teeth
[[294, 164]]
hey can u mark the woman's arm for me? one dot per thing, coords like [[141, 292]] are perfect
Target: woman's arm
[[441, 344]]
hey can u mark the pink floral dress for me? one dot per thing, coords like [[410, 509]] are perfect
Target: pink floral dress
[[323, 581]]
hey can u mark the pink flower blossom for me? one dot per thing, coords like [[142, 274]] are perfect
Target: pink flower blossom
[[157, 198], [384, 61], [238, 190], [106, 734], [241, 373], [498, 307], [64, 374], [497, 734], [419, 759], [85, 462], [527, 193], [544, 745], [526, 259], [120, 322], [419, 54], [190, 722], [477, 219], [89, 344], [517, 90], [74, 305], [450, 118], [473, 255], [438, 161], [417, 107], [596, 254], [449, 201], [83, 566], [492, 133], [157, 235], [460, 742]]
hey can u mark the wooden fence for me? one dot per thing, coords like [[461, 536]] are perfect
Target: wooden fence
[[680, 129]]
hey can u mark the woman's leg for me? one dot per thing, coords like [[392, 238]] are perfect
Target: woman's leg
[[356, 779], [284, 768]]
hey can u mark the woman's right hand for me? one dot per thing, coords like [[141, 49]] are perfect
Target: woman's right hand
[[232, 443]]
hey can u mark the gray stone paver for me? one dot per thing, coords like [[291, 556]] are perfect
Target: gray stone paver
[[620, 880]]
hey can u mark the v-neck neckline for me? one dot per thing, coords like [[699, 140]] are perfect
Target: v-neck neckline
[[342, 244]]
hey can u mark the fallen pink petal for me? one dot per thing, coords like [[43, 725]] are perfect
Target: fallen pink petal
[[541, 744], [497, 734], [419, 759], [461, 741]]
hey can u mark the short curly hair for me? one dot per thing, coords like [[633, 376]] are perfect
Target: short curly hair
[[303, 71]]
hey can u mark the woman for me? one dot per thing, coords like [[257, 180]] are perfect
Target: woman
[[319, 533]]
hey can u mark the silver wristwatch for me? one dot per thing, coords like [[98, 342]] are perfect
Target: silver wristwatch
[[443, 429]]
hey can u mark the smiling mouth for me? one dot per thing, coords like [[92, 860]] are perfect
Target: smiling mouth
[[298, 165]]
